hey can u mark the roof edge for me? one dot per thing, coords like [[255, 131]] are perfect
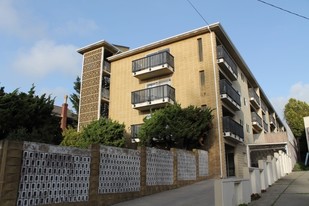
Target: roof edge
[[162, 42]]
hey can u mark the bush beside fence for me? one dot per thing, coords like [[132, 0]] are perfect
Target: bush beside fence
[[41, 174]]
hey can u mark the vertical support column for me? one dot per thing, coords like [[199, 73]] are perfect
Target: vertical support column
[[10, 171], [281, 158], [269, 169], [143, 169], [278, 167], [263, 174], [94, 175], [274, 168]]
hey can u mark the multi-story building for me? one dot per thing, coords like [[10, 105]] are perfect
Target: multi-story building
[[200, 67]]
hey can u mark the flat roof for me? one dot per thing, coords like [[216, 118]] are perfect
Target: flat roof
[[101, 43]]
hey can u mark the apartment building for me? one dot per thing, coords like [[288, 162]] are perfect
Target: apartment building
[[199, 67]]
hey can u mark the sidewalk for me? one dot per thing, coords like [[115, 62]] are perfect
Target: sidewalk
[[292, 189], [201, 193]]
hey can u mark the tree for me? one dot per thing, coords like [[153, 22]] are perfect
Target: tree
[[74, 98], [26, 116], [73, 138], [294, 113], [173, 126], [103, 131]]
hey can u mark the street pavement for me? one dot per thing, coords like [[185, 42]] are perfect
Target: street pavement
[[201, 193], [293, 189]]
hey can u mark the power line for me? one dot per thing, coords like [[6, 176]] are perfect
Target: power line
[[197, 12], [290, 12]]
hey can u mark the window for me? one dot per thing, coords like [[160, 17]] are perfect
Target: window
[[241, 122], [202, 77], [200, 49], [247, 127], [245, 102]]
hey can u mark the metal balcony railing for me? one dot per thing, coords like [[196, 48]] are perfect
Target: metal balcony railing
[[254, 95], [272, 121], [263, 105], [152, 94], [107, 66], [226, 88], [223, 54], [265, 126], [105, 93], [152, 61], [256, 118], [134, 131], [230, 125]]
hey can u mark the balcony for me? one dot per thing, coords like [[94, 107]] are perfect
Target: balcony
[[152, 98], [134, 132], [256, 122], [154, 65], [264, 107], [254, 99], [232, 130], [229, 95], [226, 63], [105, 93], [272, 122], [107, 67], [265, 126]]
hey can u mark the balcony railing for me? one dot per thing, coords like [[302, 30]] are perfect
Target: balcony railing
[[229, 94], [264, 107], [232, 129], [134, 131], [107, 66], [153, 97], [254, 98], [105, 93], [153, 65], [257, 122], [272, 121], [227, 62], [265, 126]]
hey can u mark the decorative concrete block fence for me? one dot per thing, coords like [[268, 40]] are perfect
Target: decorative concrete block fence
[[41, 174]]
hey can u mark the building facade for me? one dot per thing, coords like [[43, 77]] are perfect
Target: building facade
[[200, 67]]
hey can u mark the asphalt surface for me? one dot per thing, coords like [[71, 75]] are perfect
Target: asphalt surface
[[201, 193], [293, 189]]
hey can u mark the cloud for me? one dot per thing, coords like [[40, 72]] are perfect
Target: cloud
[[79, 27], [8, 16], [47, 57], [15, 21], [299, 91]]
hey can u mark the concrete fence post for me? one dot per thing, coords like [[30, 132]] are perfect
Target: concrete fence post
[[143, 169], [94, 174], [263, 174], [278, 166], [10, 171], [269, 169], [253, 174], [231, 192], [174, 151]]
